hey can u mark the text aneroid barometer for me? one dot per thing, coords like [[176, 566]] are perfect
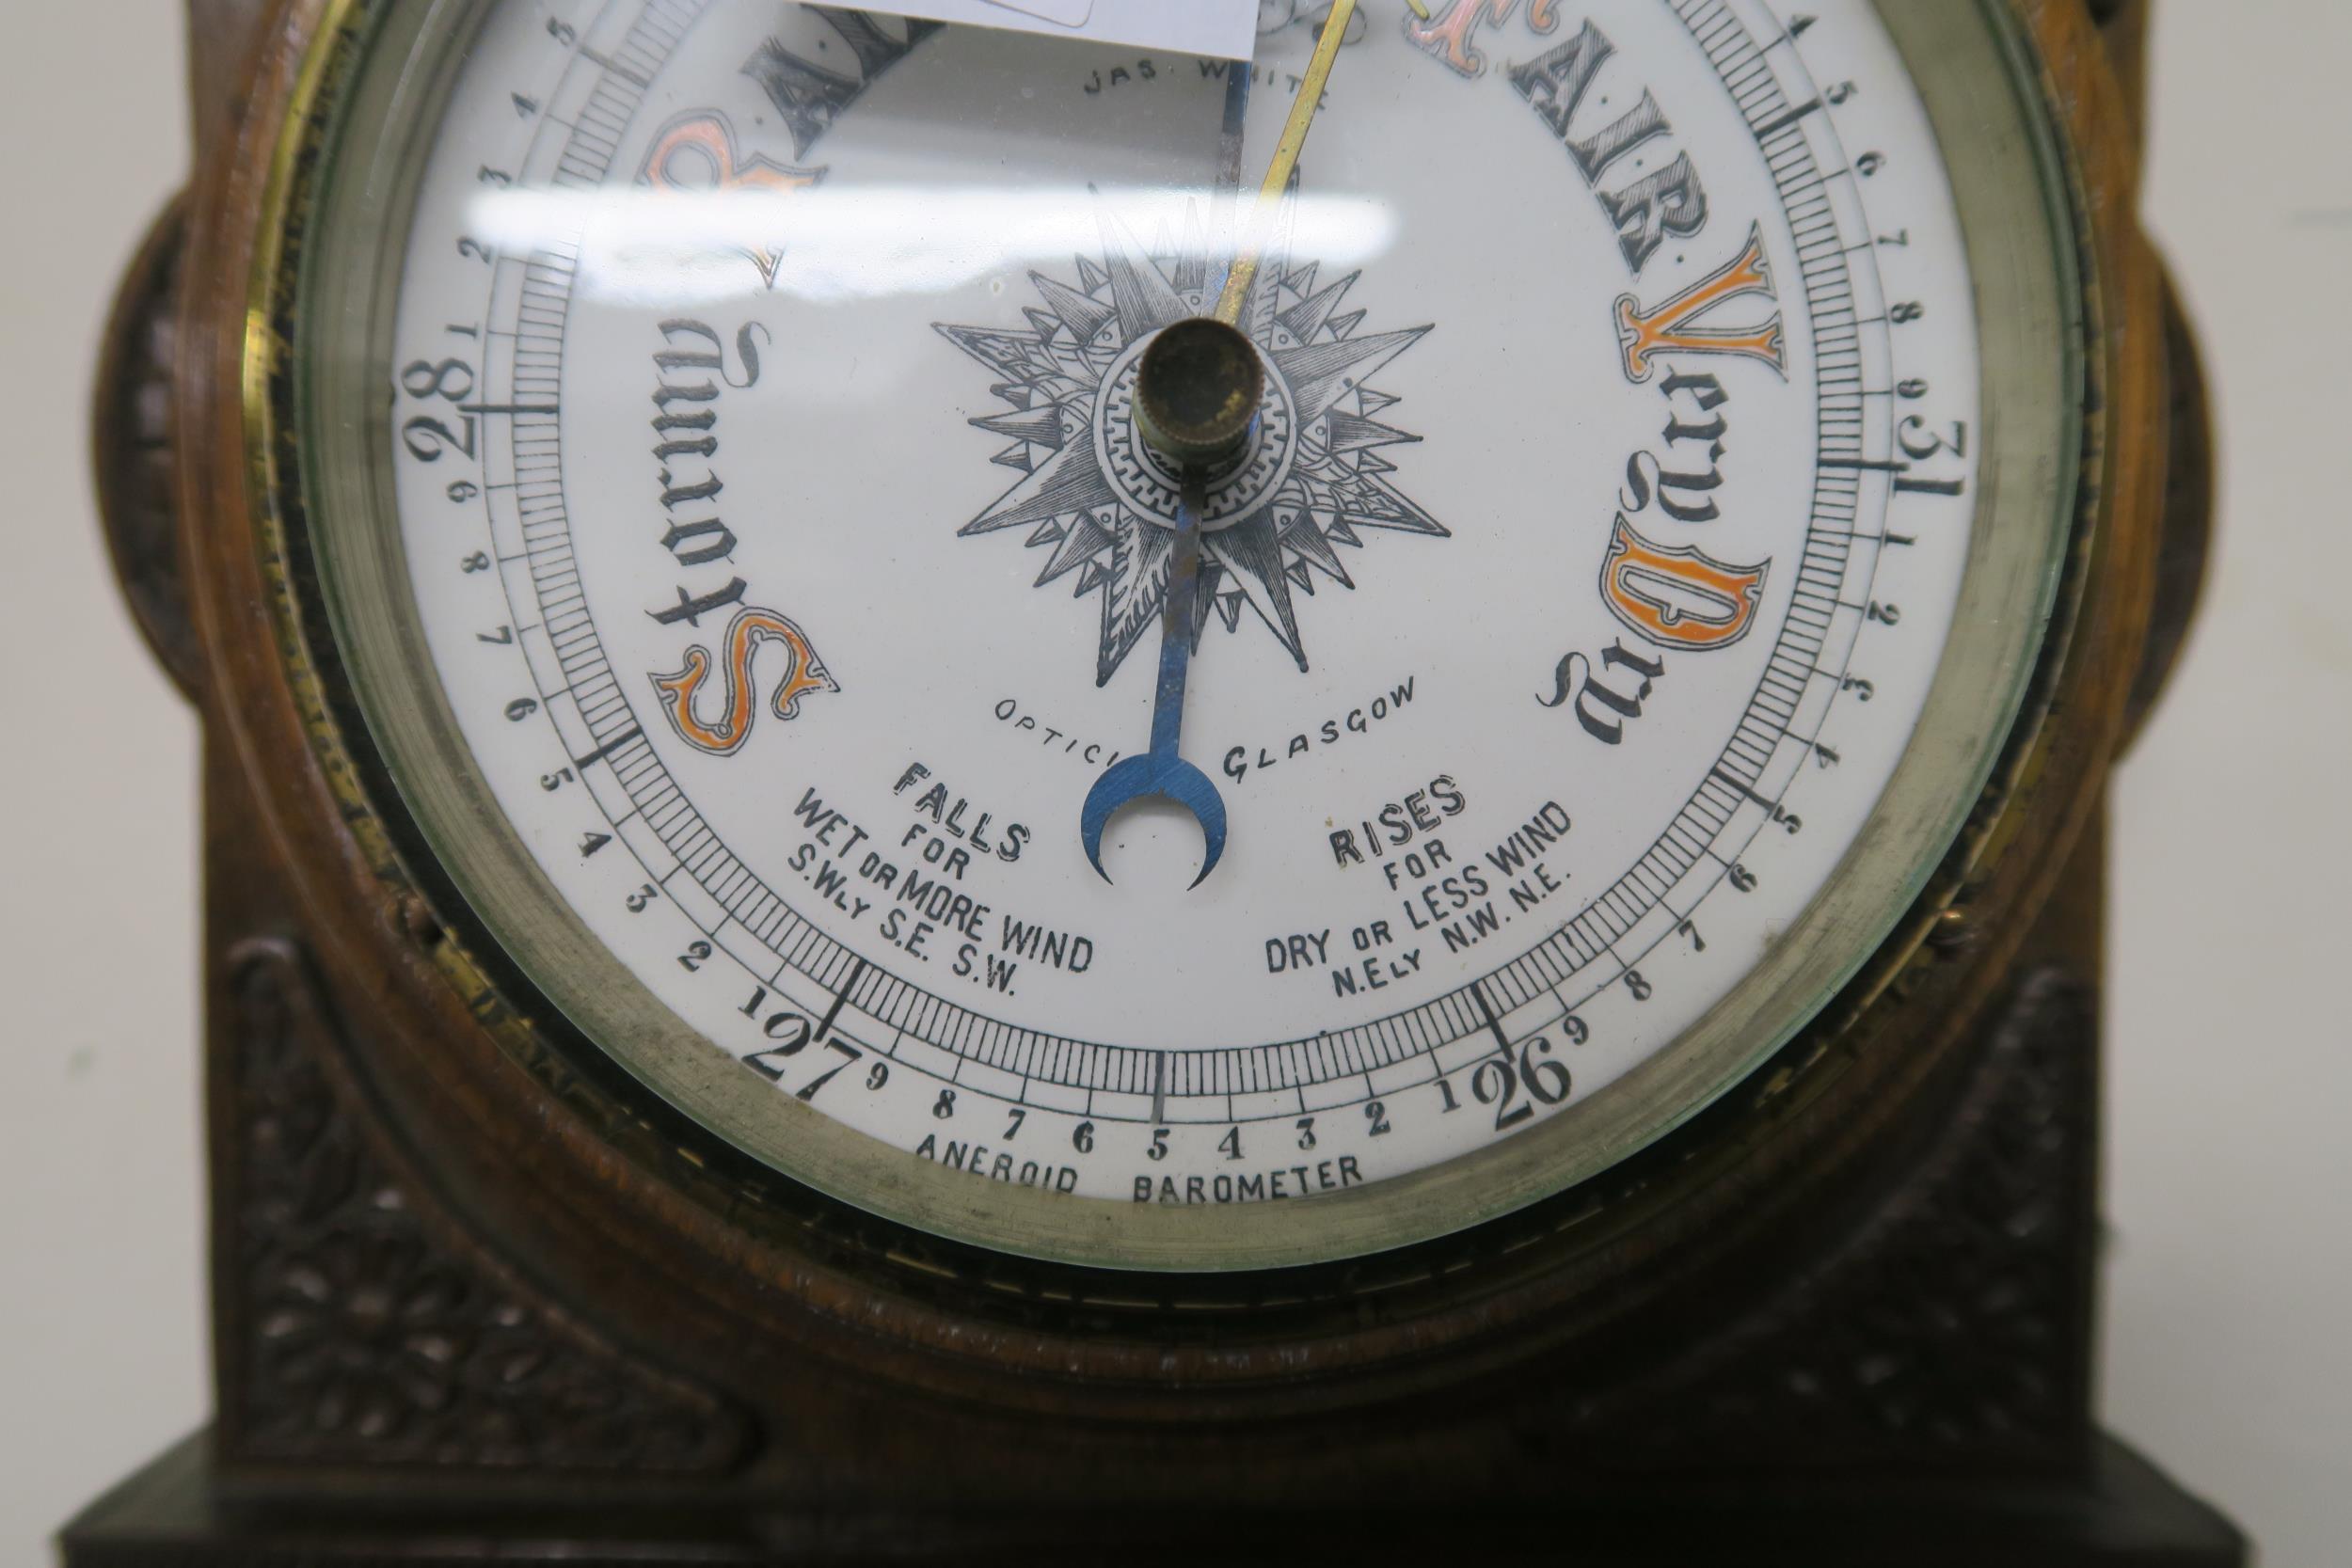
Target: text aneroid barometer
[[1067, 668]]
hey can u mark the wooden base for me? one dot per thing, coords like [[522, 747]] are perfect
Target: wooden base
[[2125, 1514]]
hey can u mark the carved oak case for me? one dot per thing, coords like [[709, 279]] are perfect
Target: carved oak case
[[475, 1294]]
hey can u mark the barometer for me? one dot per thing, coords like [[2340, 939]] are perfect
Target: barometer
[[731, 514], [973, 781]]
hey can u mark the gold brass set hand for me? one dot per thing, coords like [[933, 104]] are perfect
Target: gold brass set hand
[[1277, 174]]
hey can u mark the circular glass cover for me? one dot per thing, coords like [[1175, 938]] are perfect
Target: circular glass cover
[[722, 443]]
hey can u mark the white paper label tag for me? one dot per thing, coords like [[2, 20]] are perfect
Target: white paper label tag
[[1226, 29]]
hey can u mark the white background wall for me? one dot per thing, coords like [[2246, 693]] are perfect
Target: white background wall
[[2229, 1312]]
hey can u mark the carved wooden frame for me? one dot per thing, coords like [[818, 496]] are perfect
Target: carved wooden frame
[[444, 1248]]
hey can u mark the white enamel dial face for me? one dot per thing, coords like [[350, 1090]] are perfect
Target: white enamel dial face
[[762, 461]]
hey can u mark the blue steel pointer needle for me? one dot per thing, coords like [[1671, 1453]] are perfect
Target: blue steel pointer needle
[[1231, 386]]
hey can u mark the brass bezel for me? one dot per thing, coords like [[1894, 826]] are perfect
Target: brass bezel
[[2035, 248]]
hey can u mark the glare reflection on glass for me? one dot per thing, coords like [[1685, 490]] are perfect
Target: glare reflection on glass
[[673, 247]]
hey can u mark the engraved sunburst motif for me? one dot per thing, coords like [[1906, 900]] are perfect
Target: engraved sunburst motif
[[1103, 505]]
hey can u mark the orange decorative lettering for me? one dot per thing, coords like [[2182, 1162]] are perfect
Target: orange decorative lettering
[[1448, 36], [698, 153], [803, 672], [1645, 334], [1679, 597]]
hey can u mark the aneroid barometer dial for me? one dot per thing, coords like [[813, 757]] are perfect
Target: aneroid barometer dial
[[1069, 670]]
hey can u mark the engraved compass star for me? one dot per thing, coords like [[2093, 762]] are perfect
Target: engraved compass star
[[1104, 504]]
